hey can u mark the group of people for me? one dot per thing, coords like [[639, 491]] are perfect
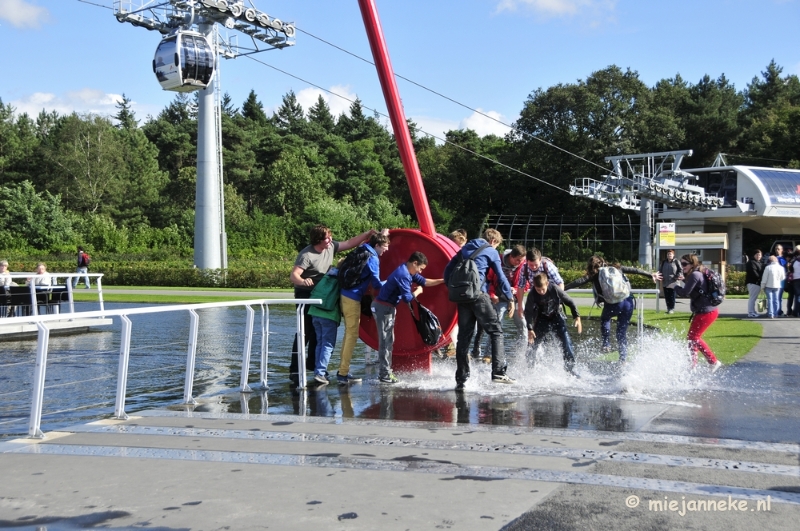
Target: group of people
[[504, 280], [43, 278], [780, 274], [311, 267]]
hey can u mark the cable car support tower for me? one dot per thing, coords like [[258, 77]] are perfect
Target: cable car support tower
[[187, 60]]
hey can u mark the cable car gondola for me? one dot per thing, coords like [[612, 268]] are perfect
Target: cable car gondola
[[184, 62]]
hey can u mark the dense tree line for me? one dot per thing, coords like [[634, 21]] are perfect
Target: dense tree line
[[124, 187]]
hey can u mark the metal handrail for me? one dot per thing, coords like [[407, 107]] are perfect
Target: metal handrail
[[43, 339], [67, 285], [639, 293]]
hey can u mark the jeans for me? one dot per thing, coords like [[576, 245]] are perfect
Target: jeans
[[623, 311], [84, 271], [501, 308], [669, 297], [384, 320], [325, 330], [700, 323], [482, 312], [311, 338], [773, 302], [558, 325]]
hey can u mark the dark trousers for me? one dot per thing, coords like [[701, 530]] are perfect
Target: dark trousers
[[669, 297], [311, 338], [557, 325], [482, 312], [790, 297], [623, 312]]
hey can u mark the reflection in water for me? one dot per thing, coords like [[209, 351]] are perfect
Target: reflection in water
[[82, 370]]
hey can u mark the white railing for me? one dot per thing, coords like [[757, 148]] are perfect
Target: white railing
[[639, 294], [34, 426], [54, 287]]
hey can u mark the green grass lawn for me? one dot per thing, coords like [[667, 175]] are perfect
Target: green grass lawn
[[730, 338]]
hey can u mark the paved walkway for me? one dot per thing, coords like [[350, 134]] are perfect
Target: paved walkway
[[175, 469]]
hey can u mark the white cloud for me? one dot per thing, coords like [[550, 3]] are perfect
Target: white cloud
[[559, 8], [22, 14], [308, 98], [485, 125], [85, 101], [433, 126]]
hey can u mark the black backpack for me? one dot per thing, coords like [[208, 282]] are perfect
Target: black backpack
[[713, 287], [427, 324], [464, 284], [352, 267]]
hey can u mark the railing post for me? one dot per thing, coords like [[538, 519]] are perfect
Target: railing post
[[70, 295], [264, 344], [301, 346], [34, 300], [100, 293], [189, 383], [122, 373], [248, 344], [37, 396]]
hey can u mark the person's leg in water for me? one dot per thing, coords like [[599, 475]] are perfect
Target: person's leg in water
[[625, 312], [310, 340], [560, 328], [605, 325], [540, 330], [487, 318], [466, 327], [700, 323], [477, 352]]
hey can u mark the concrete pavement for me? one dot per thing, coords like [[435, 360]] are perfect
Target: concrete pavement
[[730, 463]]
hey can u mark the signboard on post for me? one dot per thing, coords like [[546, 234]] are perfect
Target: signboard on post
[[666, 235]]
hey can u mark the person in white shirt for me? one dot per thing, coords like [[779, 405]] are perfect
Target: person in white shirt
[[42, 281], [771, 282]]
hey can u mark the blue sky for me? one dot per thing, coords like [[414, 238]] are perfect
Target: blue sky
[[68, 55]]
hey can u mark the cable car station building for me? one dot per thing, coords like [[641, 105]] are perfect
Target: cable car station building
[[765, 200]]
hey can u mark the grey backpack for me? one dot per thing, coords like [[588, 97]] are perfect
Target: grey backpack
[[464, 284]]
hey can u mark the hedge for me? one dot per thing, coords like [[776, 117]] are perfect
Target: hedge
[[251, 274]]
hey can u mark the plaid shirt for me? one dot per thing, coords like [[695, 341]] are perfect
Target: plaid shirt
[[546, 266]]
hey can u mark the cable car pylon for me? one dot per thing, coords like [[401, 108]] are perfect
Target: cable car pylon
[[187, 60]]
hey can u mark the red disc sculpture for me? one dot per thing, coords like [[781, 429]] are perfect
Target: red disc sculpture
[[409, 353]]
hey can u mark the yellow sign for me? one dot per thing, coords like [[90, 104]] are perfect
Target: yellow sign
[[666, 235]]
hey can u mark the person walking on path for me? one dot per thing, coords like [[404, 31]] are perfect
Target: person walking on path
[[83, 268], [703, 313], [544, 314], [670, 269], [623, 310], [795, 269], [771, 282], [351, 303], [480, 310], [752, 278], [310, 266], [778, 253], [397, 288]]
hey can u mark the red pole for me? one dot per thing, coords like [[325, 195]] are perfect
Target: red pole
[[401, 133]]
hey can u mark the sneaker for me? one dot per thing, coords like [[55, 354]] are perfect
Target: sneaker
[[460, 386], [715, 367], [486, 359], [606, 349], [320, 379], [390, 379], [502, 378], [670, 311], [344, 380]]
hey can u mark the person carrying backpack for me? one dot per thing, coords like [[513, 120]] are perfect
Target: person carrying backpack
[[465, 276], [368, 276], [384, 308], [704, 313], [83, 268], [612, 291]]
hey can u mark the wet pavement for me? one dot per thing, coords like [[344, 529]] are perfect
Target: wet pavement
[[612, 449]]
